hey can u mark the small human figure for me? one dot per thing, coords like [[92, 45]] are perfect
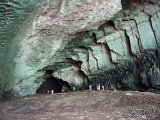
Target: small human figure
[[74, 88], [48, 91], [102, 87], [63, 90], [52, 92], [90, 87], [98, 87]]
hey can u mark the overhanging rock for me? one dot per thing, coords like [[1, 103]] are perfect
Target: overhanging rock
[[54, 26], [73, 16]]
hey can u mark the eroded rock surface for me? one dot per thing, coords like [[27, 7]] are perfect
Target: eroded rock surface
[[32, 32], [123, 50]]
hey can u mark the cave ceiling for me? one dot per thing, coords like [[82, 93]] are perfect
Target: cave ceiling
[[45, 27]]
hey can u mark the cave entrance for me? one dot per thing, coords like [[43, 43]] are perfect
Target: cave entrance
[[54, 84]]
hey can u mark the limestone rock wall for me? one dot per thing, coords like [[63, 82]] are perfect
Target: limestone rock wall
[[33, 33], [109, 54], [13, 25], [123, 53]]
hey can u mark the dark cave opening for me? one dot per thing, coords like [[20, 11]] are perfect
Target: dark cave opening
[[53, 84]]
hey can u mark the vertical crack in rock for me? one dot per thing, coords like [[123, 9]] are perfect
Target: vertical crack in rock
[[86, 50], [107, 51], [138, 36], [128, 44], [91, 51], [154, 33], [104, 48]]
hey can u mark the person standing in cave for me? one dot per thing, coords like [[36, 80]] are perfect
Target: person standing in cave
[[53, 83]]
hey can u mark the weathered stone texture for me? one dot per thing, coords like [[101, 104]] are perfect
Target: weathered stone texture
[[59, 37]]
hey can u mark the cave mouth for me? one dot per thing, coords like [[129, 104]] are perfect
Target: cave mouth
[[120, 52], [140, 74], [53, 84]]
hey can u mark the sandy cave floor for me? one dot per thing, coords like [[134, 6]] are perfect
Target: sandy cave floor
[[84, 105]]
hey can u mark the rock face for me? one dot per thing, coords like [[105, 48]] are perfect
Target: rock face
[[53, 27], [121, 53], [44, 32]]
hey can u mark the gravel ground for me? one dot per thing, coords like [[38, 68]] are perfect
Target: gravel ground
[[84, 105]]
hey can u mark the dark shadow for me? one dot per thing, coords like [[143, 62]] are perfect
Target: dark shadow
[[52, 83], [126, 4]]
